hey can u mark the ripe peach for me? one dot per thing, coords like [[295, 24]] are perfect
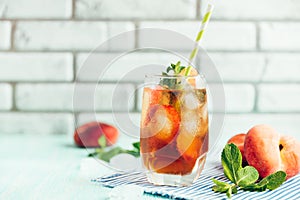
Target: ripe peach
[[88, 134], [269, 152], [239, 140], [290, 155]]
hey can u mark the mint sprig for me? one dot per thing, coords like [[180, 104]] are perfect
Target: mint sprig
[[243, 178], [172, 70], [105, 155], [176, 68]]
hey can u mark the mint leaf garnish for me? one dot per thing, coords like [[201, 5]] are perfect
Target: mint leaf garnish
[[173, 70], [244, 178]]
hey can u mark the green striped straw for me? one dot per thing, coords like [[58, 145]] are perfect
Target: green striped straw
[[199, 37]]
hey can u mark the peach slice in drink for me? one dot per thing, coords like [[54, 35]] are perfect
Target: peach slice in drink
[[171, 166], [150, 97], [163, 122]]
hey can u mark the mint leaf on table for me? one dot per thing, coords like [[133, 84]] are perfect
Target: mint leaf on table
[[231, 190], [102, 141], [255, 187], [270, 182], [247, 176], [244, 178], [220, 186], [273, 181], [137, 146], [224, 187], [105, 155], [231, 161]]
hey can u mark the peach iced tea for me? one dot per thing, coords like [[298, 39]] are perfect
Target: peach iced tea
[[174, 131]]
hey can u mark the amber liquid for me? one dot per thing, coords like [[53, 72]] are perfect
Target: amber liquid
[[174, 130]]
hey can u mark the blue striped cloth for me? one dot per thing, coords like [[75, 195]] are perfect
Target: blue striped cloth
[[201, 189]]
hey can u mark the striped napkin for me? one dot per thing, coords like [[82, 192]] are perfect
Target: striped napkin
[[201, 189]]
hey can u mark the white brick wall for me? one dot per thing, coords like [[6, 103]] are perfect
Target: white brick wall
[[45, 9], [255, 46], [230, 66], [36, 67], [239, 97], [279, 98], [284, 67], [218, 36], [5, 96], [117, 67], [52, 35], [280, 36], [36, 123], [128, 9], [257, 9], [5, 32], [60, 97]]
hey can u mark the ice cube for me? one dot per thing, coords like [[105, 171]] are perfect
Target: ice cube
[[190, 121], [190, 101]]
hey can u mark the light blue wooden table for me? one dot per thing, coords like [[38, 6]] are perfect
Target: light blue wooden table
[[48, 167]]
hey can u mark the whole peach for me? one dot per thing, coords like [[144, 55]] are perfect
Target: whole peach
[[262, 149], [88, 134], [290, 155], [269, 152], [239, 140]]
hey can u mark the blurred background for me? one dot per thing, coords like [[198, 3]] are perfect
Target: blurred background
[[43, 43]]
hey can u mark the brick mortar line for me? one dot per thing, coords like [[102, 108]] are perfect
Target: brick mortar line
[[74, 67], [76, 119], [14, 100], [140, 82], [63, 112], [148, 20], [137, 34], [198, 9], [35, 112], [183, 51], [138, 112], [61, 52], [70, 83], [73, 10], [258, 40], [12, 36], [256, 97]]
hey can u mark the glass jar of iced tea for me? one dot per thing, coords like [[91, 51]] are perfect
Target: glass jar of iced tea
[[174, 129]]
